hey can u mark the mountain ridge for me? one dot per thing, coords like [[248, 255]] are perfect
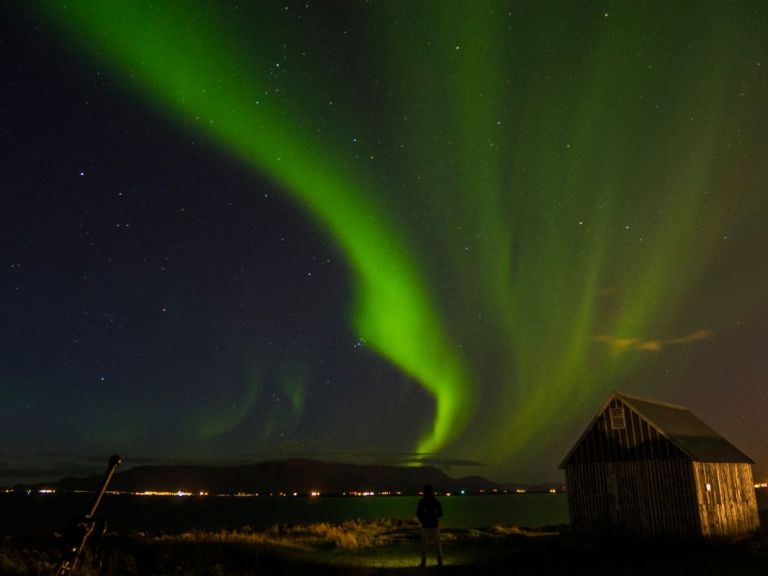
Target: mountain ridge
[[296, 475]]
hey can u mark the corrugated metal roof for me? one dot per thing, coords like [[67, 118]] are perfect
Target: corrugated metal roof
[[686, 431]]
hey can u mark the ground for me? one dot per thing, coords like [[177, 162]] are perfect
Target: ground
[[383, 548]]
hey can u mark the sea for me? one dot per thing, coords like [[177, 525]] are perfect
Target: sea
[[42, 514]]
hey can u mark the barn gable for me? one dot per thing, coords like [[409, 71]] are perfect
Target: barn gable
[[629, 428]]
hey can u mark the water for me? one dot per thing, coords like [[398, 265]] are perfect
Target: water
[[44, 513]]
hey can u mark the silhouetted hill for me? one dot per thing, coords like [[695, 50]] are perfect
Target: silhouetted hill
[[297, 475]]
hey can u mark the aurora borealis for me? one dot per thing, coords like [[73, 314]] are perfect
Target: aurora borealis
[[498, 212]]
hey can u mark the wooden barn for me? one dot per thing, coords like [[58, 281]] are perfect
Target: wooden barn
[[648, 470]]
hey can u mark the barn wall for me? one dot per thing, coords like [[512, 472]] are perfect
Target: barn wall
[[638, 499], [725, 495], [588, 497]]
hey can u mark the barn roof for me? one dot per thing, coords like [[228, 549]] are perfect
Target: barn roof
[[686, 431], [681, 427]]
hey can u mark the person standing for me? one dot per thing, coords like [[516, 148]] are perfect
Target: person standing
[[429, 511]]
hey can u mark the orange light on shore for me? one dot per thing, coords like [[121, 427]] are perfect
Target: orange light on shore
[[165, 493]]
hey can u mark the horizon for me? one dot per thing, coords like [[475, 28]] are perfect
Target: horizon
[[90, 470]]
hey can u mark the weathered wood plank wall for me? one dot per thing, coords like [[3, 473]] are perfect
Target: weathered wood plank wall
[[725, 495], [638, 499]]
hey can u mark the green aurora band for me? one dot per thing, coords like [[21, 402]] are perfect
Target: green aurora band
[[506, 191]]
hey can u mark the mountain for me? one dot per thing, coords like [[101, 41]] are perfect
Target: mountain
[[289, 476]]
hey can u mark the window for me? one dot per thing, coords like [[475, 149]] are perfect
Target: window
[[617, 419]]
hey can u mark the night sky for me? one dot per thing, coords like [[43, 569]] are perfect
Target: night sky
[[385, 232]]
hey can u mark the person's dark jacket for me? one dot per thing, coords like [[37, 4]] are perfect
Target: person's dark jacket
[[428, 511]]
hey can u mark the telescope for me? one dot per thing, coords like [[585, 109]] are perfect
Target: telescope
[[86, 525]]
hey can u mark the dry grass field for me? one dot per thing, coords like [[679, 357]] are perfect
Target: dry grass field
[[382, 547]]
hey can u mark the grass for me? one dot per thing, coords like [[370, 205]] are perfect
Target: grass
[[349, 535], [392, 547], [351, 547]]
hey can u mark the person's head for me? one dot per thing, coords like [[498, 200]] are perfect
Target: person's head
[[429, 491]]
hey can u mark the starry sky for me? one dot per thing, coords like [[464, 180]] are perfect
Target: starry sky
[[386, 232]]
